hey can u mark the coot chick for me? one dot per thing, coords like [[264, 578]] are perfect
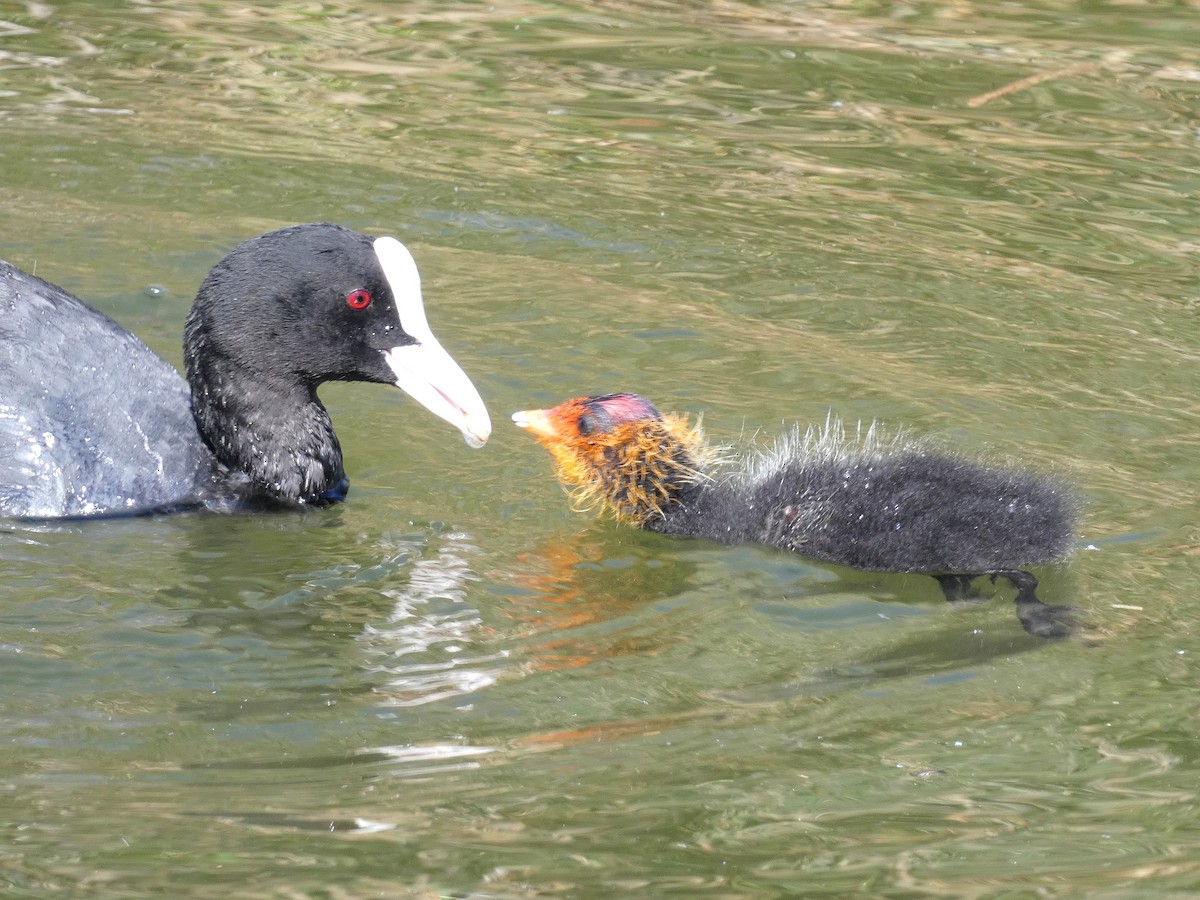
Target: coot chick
[[893, 508], [92, 422]]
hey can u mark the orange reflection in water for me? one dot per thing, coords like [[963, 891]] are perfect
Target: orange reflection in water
[[571, 595]]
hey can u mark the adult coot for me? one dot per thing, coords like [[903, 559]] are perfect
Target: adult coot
[[92, 422], [887, 508]]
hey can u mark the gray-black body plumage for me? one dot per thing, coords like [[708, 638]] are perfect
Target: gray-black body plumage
[[77, 394], [907, 512]]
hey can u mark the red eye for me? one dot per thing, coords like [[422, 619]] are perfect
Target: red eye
[[359, 299]]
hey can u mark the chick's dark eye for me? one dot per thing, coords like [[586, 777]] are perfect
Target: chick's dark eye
[[359, 299], [585, 425]]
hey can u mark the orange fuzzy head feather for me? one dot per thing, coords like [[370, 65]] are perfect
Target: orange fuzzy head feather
[[618, 452]]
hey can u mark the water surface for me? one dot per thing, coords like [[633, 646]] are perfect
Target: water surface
[[974, 222]]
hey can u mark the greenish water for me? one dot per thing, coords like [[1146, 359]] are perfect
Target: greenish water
[[454, 686]]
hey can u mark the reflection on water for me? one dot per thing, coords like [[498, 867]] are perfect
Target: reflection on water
[[427, 649], [426, 760]]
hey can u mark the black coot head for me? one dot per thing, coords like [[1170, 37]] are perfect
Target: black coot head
[[308, 300], [289, 310], [313, 303]]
